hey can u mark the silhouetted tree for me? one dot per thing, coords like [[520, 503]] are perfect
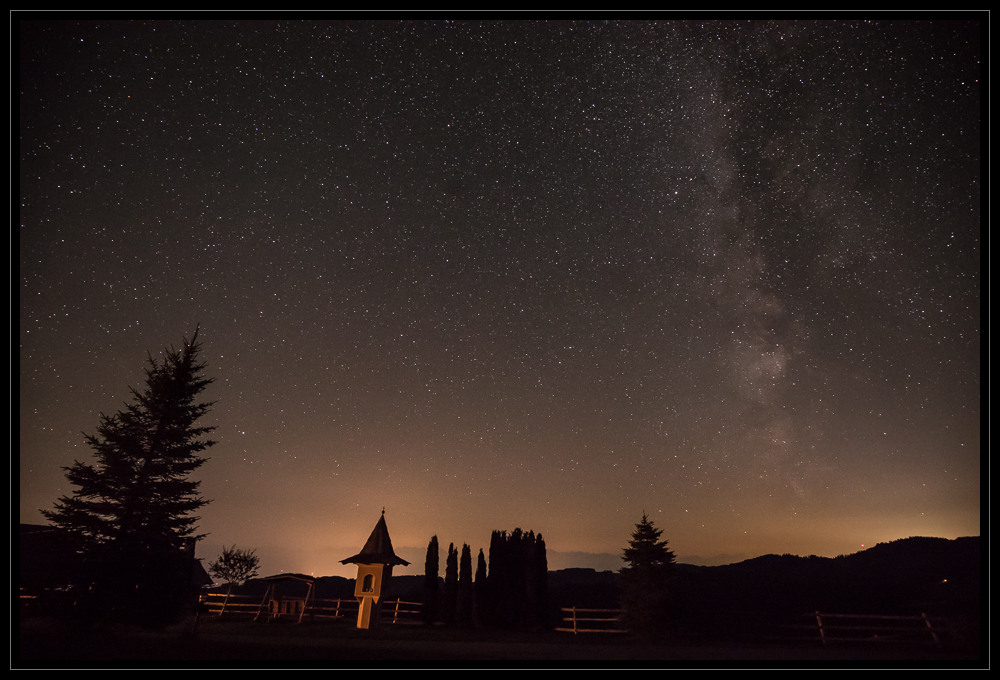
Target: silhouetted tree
[[450, 599], [463, 606], [235, 567], [431, 590], [479, 591], [536, 582], [495, 580], [130, 516], [516, 583], [646, 579]]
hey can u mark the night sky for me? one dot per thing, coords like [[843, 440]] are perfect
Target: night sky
[[490, 273]]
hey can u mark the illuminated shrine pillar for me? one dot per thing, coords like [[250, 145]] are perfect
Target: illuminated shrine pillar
[[368, 591], [375, 563]]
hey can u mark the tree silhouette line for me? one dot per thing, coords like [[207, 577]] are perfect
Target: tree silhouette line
[[510, 592]]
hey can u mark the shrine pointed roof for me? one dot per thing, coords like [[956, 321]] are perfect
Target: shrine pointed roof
[[378, 548]]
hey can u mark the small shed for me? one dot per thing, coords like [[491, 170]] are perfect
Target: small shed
[[287, 596]]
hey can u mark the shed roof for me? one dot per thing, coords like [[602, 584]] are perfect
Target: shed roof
[[378, 549], [290, 577]]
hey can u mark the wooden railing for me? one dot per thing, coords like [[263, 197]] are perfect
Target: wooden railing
[[402, 611], [578, 620], [217, 603], [825, 628], [393, 611], [877, 628]]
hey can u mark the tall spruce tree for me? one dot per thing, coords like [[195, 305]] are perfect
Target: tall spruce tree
[[646, 579], [130, 516]]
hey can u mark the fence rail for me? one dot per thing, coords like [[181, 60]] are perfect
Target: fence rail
[[579, 620], [402, 611], [824, 627], [920, 629], [397, 611], [817, 626]]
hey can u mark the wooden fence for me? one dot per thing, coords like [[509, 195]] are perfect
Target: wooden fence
[[402, 612], [396, 611], [920, 629], [578, 620], [821, 627], [816, 627]]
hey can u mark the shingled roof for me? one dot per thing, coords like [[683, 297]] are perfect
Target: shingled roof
[[378, 549]]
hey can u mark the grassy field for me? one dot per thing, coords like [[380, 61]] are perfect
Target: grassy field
[[215, 643]]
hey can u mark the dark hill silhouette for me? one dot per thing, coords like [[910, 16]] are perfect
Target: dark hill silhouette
[[907, 577]]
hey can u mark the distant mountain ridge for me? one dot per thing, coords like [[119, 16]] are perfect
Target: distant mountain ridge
[[914, 547], [600, 561]]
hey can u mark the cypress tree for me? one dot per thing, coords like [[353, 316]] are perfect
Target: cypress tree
[[516, 578], [480, 591], [450, 599], [463, 606], [431, 581], [536, 582], [517, 592], [494, 580]]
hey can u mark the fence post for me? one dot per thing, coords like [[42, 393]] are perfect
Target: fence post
[[819, 624], [927, 622]]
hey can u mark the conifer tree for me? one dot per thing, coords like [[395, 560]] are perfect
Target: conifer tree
[[496, 577], [537, 590], [646, 579], [450, 599], [517, 582], [130, 516], [431, 589], [480, 598], [463, 606]]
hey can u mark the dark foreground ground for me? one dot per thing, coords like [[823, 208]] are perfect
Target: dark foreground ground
[[211, 643]]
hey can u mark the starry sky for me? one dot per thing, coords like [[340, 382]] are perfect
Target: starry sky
[[492, 272]]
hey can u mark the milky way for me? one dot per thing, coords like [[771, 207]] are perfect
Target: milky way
[[505, 273]]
